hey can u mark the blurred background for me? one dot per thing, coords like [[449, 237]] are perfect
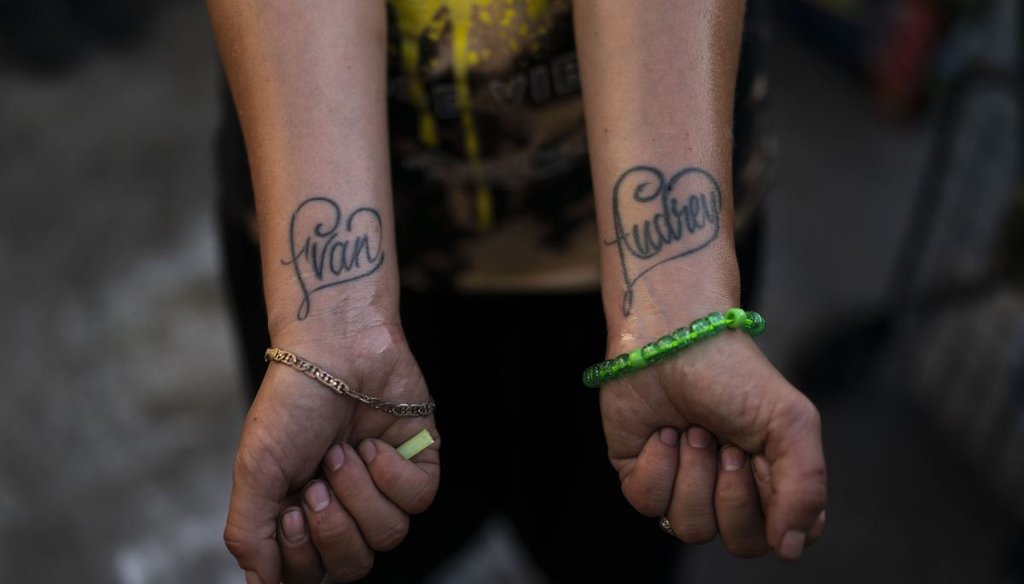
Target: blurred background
[[894, 267]]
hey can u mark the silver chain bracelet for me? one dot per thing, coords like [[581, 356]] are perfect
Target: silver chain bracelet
[[341, 388]]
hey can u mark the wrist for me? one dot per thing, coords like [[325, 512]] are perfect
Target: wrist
[[361, 357], [335, 269], [297, 310], [685, 339], [661, 306], [335, 329]]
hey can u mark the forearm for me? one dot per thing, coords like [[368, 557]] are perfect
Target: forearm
[[658, 84], [308, 79]]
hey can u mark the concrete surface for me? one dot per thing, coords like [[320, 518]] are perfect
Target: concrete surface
[[120, 402]]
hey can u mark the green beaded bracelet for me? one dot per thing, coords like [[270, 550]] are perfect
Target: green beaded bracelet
[[700, 329]]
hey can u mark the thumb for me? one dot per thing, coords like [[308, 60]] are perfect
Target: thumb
[[410, 484], [647, 483], [798, 489], [252, 520]]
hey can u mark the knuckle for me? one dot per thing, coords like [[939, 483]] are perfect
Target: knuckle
[[641, 501], [389, 536], [815, 416], [803, 413], [420, 499], [808, 415], [411, 492], [237, 542], [331, 532], [696, 532], [352, 571], [387, 474], [815, 494], [813, 487], [746, 548], [644, 497], [732, 494]]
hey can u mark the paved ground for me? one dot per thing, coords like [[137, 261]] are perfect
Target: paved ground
[[120, 397], [120, 403]]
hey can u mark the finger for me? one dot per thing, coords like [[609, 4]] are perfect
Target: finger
[[409, 484], [252, 520], [762, 471], [382, 524], [300, 562], [762, 476], [737, 506], [692, 512], [798, 484], [344, 554], [647, 484]]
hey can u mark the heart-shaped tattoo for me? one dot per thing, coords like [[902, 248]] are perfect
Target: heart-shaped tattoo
[[658, 220], [329, 249]]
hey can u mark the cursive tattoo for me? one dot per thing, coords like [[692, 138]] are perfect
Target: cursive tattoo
[[658, 220], [328, 249]]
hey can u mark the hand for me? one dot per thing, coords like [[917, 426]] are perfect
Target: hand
[[765, 489], [318, 485]]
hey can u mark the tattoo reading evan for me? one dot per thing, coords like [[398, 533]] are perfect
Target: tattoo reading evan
[[328, 248], [659, 219]]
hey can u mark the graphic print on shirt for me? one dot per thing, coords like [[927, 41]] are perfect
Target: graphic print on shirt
[[487, 134]]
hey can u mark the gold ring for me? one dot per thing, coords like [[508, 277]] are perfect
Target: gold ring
[[666, 526]]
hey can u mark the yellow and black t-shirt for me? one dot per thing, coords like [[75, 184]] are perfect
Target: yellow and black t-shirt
[[489, 161], [488, 149]]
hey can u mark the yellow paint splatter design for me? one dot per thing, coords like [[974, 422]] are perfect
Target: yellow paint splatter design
[[419, 19]]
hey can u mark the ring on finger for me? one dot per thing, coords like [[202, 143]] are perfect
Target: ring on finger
[[666, 526]]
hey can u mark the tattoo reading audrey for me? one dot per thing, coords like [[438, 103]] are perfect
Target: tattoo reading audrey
[[328, 248], [658, 220]]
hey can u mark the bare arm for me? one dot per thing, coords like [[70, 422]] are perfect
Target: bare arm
[[309, 85], [658, 85], [308, 79]]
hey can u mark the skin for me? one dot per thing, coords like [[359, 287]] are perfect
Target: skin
[[715, 439], [658, 88], [291, 66]]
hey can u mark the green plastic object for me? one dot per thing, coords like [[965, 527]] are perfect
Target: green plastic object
[[416, 444], [755, 324], [700, 329], [735, 317]]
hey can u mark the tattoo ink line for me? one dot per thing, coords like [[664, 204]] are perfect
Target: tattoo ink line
[[673, 218], [330, 254]]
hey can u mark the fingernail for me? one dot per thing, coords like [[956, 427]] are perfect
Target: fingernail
[[669, 436], [335, 458], [292, 525], [253, 578], [792, 545], [317, 496], [732, 458], [698, 437], [368, 450]]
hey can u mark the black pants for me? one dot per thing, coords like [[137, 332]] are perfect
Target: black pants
[[522, 436]]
